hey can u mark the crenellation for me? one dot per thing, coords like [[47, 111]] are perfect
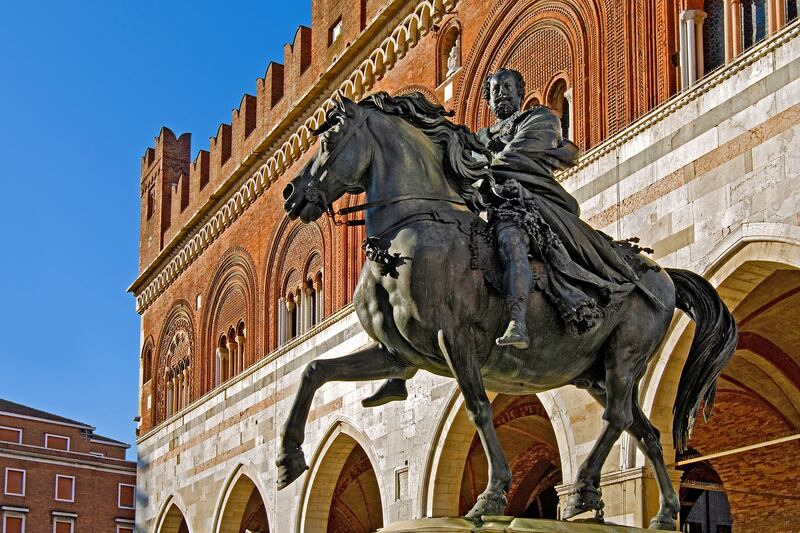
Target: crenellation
[[243, 122], [161, 167], [220, 153], [179, 201], [300, 49], [199, 175]]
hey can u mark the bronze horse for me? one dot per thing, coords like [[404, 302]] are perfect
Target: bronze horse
[[426, 307]]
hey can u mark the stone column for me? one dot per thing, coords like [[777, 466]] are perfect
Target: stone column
[[691, 57], [222, 359], [186, 390], [240, 342], [281, 311], [232, 357], [318, 288], [167, 394], [733, 29]]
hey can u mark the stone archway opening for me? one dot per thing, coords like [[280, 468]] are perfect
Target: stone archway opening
[[173, 521], [344, 495], [244, 510], [356, 504], [752, 441], [530, 446]]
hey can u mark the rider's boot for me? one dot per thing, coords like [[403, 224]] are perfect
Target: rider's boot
[[392, 390], [516, 333], [512, 243]]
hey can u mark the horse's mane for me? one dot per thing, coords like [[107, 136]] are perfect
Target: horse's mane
[[461, 169]]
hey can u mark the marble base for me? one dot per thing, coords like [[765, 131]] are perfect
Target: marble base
[[503, 524]]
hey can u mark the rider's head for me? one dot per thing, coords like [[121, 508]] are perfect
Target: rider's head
[[504, 90]]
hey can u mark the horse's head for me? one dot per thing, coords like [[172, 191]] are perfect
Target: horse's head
[[340, 165]]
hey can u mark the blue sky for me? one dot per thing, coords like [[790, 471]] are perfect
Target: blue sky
[[84, 88]]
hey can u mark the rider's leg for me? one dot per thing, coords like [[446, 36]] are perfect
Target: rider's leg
[[512, 243], [392, 390]]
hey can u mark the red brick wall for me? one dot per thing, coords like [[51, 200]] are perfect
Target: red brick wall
[[33, 433], [95, 496], [755, 479]]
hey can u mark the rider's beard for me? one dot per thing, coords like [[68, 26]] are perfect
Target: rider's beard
[[503, 110]]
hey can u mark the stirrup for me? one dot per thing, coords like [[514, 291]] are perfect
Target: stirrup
[[515, 335]]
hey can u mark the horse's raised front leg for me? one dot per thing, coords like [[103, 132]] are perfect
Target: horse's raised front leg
[[370, 363], [466, 371], [617, 417]]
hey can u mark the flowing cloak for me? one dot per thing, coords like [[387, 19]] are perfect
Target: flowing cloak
[[528, 147]]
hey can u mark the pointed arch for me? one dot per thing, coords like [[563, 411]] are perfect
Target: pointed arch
[[292, 247], [171, 518], [756, 271], [454, 443], [337, 450], [176, 349], [771, 245], [241, 505], [231, 297]]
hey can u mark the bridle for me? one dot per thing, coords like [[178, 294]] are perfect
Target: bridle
[[314, 194]]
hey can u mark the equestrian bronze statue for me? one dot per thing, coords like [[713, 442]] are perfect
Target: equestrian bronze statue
[[532, 300]]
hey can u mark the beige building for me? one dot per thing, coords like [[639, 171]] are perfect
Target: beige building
[[707, 174]]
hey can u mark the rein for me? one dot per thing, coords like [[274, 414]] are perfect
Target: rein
[[315, 195], [379, 203]]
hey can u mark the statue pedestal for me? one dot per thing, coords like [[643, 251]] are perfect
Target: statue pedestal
[[502, 524]]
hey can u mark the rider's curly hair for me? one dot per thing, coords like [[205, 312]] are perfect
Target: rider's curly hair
[[518, 79], [458, 142]]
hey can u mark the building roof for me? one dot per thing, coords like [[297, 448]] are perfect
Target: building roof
[[108, 440], [17, 409]]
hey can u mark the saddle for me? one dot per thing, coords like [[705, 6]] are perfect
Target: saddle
[[604, 301]]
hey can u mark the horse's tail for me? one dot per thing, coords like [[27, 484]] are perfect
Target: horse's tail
[[713, 345]]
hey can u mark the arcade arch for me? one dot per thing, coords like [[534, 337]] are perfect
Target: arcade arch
[[754, 432], [242, 508], [342, 493], [457, 473], [172, 520]]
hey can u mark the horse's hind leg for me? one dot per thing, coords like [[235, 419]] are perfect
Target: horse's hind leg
[[465, 368], [649, 441], [620, 377], [372, 362]]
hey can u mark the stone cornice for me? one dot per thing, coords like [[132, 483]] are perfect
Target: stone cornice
[[206, 228]]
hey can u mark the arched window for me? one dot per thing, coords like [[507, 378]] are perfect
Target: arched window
[[754, 22], [558, 100], [291, 307], [241, 338], [531, 102], [147, 365], [713, 35], [221, 373], [449, 53], [791, 10]]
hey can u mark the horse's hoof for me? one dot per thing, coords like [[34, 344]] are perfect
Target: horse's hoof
[[663, 523], [487, 505], [583, 500], [290, 467]]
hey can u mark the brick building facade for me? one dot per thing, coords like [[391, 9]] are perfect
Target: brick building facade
[[61, 476], [687, 112]]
